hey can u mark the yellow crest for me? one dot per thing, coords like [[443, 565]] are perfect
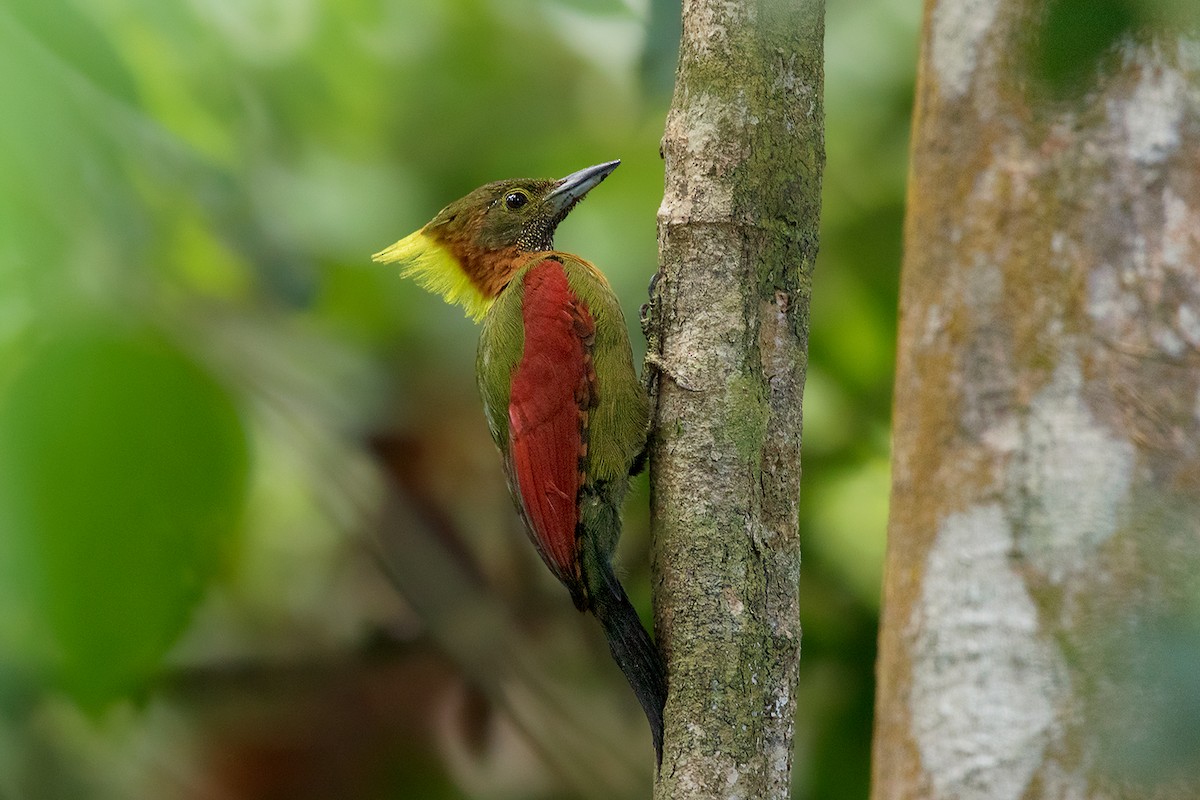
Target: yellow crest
[[435, 268]]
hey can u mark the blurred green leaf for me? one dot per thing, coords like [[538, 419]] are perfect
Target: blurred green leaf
[[598, 7], [851, 521], [59, 178], [76, 42], [1151, 731], [1075, 38], [664, 26], [122, 473]]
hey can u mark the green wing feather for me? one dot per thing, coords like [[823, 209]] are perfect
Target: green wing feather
[[618, 424]]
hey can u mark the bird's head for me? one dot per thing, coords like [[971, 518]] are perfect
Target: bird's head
[[469, 252]]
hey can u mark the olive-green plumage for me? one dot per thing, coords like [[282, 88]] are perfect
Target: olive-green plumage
[[618, 425], [562, 398]]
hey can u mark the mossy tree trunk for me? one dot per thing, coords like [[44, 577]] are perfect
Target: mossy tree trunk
[[744, 153], [1040, 635]]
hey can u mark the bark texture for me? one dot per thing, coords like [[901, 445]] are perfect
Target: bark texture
[[1045, 532], [744, 152]]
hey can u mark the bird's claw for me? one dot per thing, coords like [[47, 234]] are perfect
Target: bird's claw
[[656, 362], [648, 309]]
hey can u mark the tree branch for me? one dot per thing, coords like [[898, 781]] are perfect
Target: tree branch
[[744, 152]]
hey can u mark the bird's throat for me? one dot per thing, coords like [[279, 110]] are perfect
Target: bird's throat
[[489, 271]]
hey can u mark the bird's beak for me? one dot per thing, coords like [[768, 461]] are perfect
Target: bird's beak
[[570, 190]]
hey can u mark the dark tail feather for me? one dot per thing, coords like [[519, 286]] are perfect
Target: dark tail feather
[[634, 652]]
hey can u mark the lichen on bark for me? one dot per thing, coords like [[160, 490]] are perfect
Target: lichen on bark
[[744, 151]]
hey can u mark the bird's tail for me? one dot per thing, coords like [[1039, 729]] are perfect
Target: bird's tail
[[632, 649]]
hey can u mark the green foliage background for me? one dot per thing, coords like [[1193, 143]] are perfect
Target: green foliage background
[[254, 540]]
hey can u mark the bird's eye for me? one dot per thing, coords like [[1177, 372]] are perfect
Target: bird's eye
[[515, 200]]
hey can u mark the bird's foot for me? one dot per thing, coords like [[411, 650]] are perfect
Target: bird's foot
[[655, 363]]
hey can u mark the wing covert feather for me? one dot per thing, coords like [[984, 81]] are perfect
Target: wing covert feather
[[553, 390]]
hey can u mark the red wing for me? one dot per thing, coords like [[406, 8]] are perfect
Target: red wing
[[552, 389]]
